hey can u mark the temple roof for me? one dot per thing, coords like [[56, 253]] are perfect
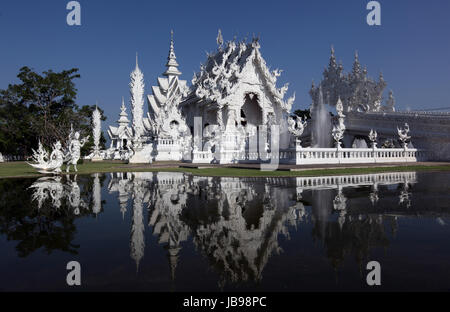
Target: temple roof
[[166, 96], [123, 116], [120, 132], [123, 130], [224, 70]]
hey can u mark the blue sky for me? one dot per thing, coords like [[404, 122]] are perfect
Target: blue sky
[[411, 47]]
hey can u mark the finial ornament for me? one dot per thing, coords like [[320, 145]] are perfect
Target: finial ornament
[[172, 65], [123, 108], [219, 39]]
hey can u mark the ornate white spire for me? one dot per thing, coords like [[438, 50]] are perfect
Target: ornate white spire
[[172, 65], [123, 116], [96, 130], [137, 99], [356, 66]]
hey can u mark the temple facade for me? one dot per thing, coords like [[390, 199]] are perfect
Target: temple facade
[[229, 108], [234, 112]]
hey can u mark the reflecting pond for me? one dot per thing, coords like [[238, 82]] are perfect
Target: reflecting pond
[[178, 232]]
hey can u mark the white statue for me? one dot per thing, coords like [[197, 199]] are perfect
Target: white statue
[[338, 130], [296, 127], [1, 158], [373, 137], [73, 154], [404, 134], [54, 163]]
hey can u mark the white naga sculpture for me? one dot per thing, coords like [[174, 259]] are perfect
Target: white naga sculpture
[[74, 148], [404, 135], [54, 162]]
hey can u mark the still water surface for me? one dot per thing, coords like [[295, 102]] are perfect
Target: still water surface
[[177, 232]]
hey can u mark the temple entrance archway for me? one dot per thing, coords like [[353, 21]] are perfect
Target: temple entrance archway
[[251, 112], [252, 117]]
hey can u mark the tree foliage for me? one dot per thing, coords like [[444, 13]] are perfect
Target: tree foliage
[[41, 107]]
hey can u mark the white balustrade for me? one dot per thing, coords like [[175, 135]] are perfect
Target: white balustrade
[[307, 156], [311, 156]]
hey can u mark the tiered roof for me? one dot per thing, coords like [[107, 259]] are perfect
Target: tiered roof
[[225, 69]]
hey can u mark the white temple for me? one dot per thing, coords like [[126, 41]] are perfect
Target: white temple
[[120, 136], [234, 112], [234, 100]]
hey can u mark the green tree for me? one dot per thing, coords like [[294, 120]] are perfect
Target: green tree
[[41, 107]]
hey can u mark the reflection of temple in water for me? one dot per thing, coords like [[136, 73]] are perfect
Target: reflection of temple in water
[[233, 222], [236, 222]]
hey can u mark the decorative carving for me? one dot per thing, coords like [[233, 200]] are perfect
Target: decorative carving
[[403, 134], [54, 162], [373, 138], [297, 127], [338, 130]]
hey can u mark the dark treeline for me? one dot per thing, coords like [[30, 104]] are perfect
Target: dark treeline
[[42, 107]]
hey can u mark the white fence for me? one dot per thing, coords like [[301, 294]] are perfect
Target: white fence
[[307, 156], [311, 156]]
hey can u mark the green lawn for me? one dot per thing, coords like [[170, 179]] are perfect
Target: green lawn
[[21, 169]]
